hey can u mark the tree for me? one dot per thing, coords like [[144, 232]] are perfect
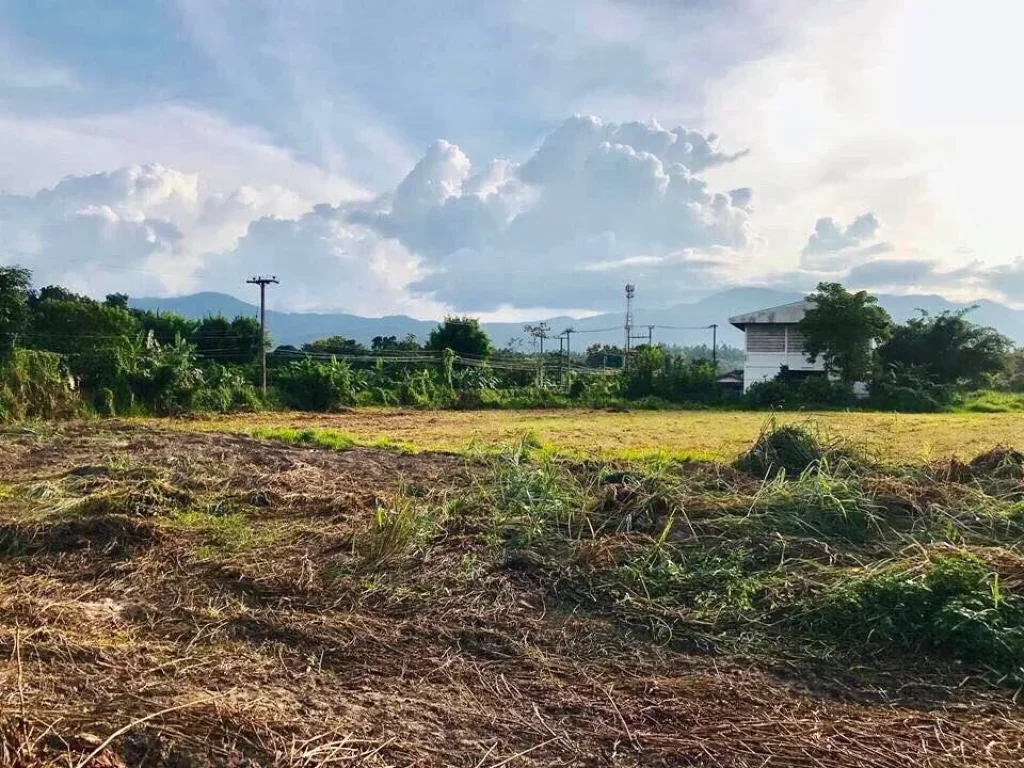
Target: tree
[[335, 345], [842, 328], [393, 344], [947, 348], [81, 328], [462, 335], [15, 284], [604, 356], [234, 342], [165, 326], [119, 300]]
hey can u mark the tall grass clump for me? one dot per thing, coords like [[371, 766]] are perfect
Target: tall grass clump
[[792, 449], [400, 526], [826, 501], [532, 498]]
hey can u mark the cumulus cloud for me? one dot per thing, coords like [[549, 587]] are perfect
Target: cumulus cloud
[[596, 205], [86, 228], [832, 245], [592, 193], [325, 262], [142, 228]]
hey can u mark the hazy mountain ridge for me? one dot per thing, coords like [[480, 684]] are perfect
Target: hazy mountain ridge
[[300, 327]]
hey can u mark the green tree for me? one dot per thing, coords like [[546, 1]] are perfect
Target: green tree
[[119, 300], [842, 328], [165, 326], [947, 348], [393, 344], [462, 335], [335, 345], [229, 342], [15, 284], [82, 329], [604, 356]]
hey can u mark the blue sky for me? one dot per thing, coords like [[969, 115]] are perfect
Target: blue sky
[[199, 140]]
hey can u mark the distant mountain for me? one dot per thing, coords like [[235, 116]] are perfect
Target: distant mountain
[[679, 324]]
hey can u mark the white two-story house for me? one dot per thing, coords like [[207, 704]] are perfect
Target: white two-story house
[[772, 340]]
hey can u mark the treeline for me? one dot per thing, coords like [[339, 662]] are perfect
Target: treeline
[[62, 353]]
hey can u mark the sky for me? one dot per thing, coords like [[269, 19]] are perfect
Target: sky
[[512, 159]]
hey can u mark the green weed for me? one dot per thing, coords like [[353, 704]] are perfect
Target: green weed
[[950, 603]]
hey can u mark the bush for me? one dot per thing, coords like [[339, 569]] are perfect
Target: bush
[[308, 385], [35, 384], [785, 391], [909, 391], [225, 390], [952, 604]]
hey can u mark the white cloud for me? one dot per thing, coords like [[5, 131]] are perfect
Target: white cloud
[[832, 244], [325, 263], [592, 193], [142, 228], [38, 151]]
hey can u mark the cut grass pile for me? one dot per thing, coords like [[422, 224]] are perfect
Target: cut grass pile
[[179, 599], [807, 546]]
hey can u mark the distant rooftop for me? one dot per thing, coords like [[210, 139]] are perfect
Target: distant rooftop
[[784, 313]]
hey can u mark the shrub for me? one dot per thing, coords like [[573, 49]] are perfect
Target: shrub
[[35, 384], [309, 385], [951, 603], [909, 391], [225, 390]]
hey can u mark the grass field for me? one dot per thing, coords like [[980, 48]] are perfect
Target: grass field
[[188, 597], [717, 434]]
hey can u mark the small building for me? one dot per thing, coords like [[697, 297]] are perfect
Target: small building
[[731, 381], [772, 340]]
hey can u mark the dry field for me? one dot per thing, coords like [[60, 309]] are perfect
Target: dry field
[[721, 434], [186, 598]]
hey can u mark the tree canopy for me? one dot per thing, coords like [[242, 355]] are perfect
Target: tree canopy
[[842, 328], [335, 345], [947, 348], [462, 335], [394, 344], [15, 283]]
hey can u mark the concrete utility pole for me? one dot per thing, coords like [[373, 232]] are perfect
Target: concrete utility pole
[[630, 291], [568, 332], [263, 281], [714, 345]]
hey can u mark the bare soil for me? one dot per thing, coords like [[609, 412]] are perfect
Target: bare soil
[[133, 633]]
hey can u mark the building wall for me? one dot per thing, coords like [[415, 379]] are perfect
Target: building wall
[[768, 347]]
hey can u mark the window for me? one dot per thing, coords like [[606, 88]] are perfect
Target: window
[[766, 338], [796, 342]]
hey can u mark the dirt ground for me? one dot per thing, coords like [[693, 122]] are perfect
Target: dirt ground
[[170, 598]]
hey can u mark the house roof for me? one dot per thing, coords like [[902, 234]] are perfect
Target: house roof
[[785, 313]]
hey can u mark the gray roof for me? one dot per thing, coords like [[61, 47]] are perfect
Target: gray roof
[[785, 313]]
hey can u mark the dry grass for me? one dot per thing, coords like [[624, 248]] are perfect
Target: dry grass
[[709, 433], [170, 598]]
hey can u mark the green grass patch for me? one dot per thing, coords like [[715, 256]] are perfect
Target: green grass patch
[[331, 439], [229, 532], [951, 603], [988, 401]]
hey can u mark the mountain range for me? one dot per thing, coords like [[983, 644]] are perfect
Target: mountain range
[[674, 325]]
